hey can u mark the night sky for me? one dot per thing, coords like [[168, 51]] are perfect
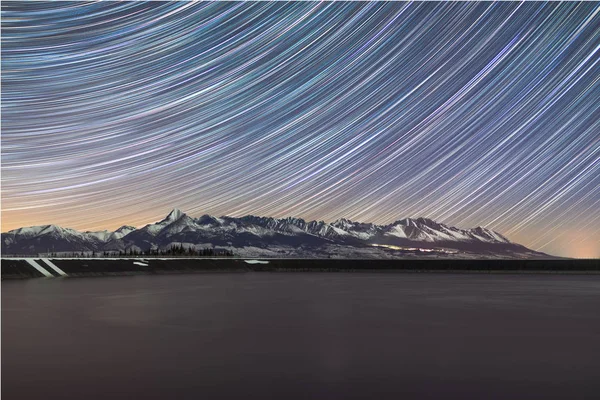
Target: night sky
[[467, 113]]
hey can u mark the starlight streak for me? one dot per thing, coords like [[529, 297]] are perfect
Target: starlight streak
[[467, 113]]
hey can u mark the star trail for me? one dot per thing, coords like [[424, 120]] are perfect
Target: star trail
[[472, 114]]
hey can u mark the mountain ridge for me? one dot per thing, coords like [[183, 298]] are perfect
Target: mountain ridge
[[286, 236]]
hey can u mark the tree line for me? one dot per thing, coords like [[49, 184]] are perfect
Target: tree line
[[173, 251]]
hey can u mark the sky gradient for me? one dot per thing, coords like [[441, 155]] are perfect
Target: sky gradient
[[472, 114]]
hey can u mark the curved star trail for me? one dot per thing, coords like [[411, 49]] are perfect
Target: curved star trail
[[467, 113]]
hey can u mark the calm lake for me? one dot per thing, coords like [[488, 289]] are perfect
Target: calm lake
[[302, 336]]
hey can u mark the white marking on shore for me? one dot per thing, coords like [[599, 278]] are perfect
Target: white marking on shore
[[54, 267], [37, 266], [255, 262], [140, 263]]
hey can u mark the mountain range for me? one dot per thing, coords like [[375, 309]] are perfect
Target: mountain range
[[275, 237]]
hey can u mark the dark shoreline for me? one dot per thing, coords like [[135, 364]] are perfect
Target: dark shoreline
[[14, 268]]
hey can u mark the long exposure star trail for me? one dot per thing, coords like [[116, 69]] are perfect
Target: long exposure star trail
[[472, 114]]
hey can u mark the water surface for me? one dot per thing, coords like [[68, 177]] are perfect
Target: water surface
[[302, 336]]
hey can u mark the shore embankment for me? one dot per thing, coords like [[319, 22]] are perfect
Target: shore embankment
[[35, 267]]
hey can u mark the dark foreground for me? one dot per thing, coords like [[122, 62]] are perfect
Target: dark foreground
[[303, 336], [85, 267]]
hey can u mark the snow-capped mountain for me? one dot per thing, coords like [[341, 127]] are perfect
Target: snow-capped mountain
[[266, 236]]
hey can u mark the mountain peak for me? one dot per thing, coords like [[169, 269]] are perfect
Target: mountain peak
[[126, 228], [342, 223], [207, 219], [174, 215], [404, 221], [415, 222]]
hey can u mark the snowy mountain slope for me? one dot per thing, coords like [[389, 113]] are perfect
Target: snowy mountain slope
[[267, 233]]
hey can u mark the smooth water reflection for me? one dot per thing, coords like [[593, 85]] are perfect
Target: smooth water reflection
[[309, 335]]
